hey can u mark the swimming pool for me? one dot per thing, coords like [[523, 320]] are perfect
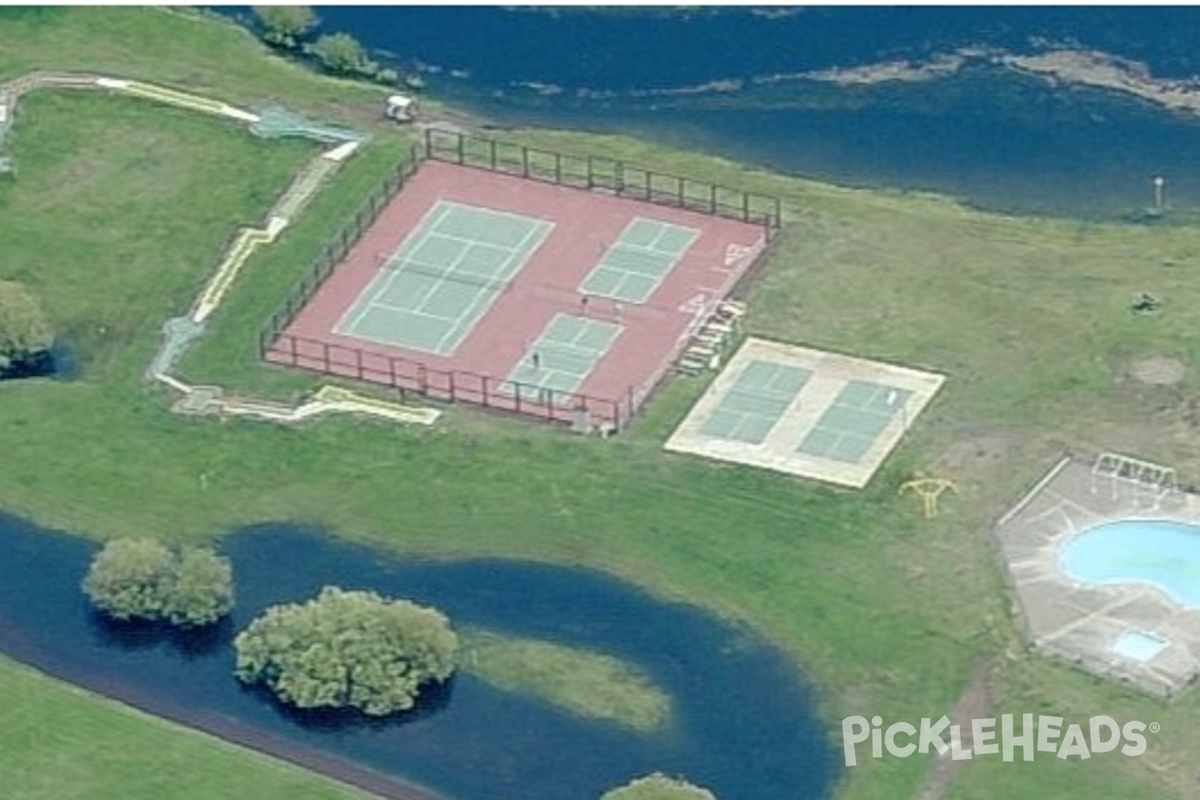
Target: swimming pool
[[1164, 553]]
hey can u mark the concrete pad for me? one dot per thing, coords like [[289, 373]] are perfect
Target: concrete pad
[[830, 374]]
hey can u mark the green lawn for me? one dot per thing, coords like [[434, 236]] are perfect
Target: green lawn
[[121, 208], [61, 743]]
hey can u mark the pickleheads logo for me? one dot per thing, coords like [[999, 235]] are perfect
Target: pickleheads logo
[[1041, 734]]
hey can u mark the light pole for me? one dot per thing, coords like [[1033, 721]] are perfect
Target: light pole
[[1159, 183]]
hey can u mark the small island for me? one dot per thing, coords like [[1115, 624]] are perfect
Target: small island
[[348, 650], [143, 579]]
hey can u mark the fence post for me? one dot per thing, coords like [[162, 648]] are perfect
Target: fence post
[[428, 142], [620, 175], [453, 396], [358, 363], [680, 193], [524, 161], [712, 198], [778, 213], [745, 206], [486, 404], [492, 150], [460, 148], [558, 168], [422, 379], [392, 369], [589, 172]]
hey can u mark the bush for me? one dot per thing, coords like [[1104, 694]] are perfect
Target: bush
[[143, 579], [388, 77], [347, 649], [658, 787], [201, 588], [341, 53], [284, 25], [24, 332]]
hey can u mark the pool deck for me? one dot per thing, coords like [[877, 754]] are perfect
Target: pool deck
[[1080, 622]]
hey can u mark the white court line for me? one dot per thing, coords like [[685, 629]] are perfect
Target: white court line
[[473, 242], [494, 212], [509, 248], [432, 218], [489, 294], [695, 232], [384, 274]]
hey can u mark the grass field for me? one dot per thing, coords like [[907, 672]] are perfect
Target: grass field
[[65, 744], [120, 209]]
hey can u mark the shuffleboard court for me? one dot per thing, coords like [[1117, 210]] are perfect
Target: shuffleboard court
[[562, 357], [756, 401], [429, 294], [860, 412], [634, 266]]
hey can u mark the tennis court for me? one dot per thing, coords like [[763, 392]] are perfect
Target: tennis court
[[434, 288], [564, 354], [810, 413], [634, 266], [859, 414], [756, 401]]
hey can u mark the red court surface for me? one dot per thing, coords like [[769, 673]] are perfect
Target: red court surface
[[585, 223]]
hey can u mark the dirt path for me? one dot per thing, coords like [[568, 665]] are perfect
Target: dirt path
[[974, 703]]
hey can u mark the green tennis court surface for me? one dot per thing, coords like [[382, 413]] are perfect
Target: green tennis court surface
[[636, 263], [435, 287], [851, 424], [756, 401], [563, 355]]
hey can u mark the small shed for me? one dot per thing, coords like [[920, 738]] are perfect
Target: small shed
[[400, 107]]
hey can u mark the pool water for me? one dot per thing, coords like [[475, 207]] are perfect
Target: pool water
[[1163, 553], [1140, 646]]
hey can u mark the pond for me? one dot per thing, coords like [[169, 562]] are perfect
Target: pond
[[743, 722], [58, 362]]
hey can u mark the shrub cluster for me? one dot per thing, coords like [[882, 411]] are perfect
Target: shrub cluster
[[285, 28], [145, 579]]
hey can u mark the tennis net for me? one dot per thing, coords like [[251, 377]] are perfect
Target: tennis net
[[452, 275]]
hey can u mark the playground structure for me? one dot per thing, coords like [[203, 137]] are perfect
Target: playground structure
[[1146, 483], [929, 490]]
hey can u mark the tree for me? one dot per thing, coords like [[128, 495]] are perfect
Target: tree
[[143, 579], [341, 53], [283, 25], [24, 331], [201, 588], [347, 649], [128, 578], [658, 787]]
